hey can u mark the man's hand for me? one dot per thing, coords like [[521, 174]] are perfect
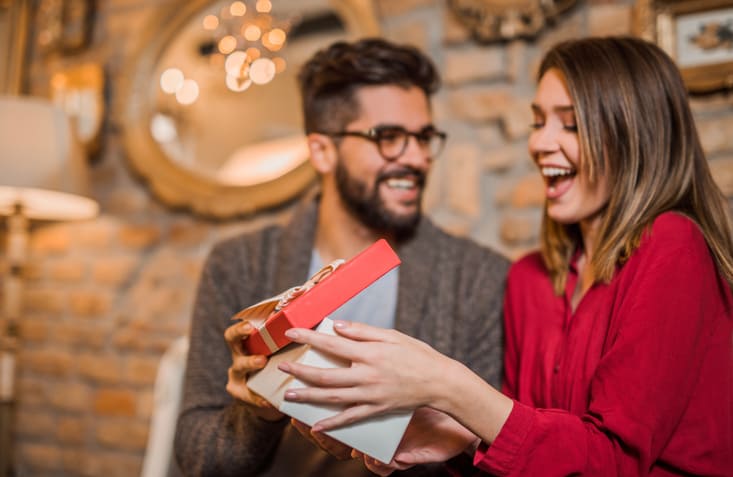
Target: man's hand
[[328, 444], [242, 365]]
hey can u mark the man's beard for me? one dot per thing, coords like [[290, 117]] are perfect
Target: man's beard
[[370, 209]]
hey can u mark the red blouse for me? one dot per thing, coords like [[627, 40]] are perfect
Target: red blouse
[[637, 381]]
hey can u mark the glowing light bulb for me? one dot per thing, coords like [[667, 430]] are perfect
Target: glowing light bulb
[[238, 9], [171, 80], [188, 92], [235, 63], [252, 32], [227, 44], [262, 70]]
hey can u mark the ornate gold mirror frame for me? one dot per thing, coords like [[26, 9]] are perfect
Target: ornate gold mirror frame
[[178, 186]]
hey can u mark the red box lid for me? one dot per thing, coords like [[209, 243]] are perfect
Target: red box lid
[[309, 307]]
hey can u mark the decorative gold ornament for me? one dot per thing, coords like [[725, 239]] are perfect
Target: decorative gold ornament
[[492, 20]]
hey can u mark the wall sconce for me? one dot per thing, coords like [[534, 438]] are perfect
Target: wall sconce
[[43, 178]]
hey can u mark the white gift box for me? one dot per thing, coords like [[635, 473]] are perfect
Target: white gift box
[[377, 436]]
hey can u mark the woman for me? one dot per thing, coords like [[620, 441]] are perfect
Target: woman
[[619, 355]]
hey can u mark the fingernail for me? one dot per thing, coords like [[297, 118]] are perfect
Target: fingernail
[[246, 327], [316, 427], [341, 324], [292, 334], [259, 361], [292, 396], [284, 367]]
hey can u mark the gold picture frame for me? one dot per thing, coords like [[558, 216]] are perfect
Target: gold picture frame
[[697, 34]]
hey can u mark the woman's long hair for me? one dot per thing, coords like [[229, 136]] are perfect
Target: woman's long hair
[[635, 128]]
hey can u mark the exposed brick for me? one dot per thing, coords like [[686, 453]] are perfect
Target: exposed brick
[[89, 303], [96, 235], [474, 63], [516, 119], [45, 299], [71, 430], [139, 236], [452, 223], [722, 171], [114, 402], [184, 234], [481, 103], [390, 8], [108, 464], [141, 369], [502, 159], [84, 334], [125, 201], [453, 30], [50, 240], [70, 396], [122, 434], [36, 422], [519, 229], [114, 270], [528, 192], [34, 330], [48, 362], [104, 369], [715, 134], [605, 20], [41, 456], [464, 179], [145, 403], [69, 271]]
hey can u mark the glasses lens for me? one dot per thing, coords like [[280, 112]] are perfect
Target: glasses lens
[[435, 143], [392, 142]]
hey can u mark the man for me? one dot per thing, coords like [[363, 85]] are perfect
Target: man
[[372, 140]]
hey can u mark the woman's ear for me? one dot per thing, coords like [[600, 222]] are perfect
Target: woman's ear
[[323, 152]]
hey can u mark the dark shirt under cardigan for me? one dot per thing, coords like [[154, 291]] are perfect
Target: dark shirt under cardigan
[[450, 296]]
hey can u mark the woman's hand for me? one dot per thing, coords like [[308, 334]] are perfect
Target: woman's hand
[[431, 436], [242, 365], [389, 371]]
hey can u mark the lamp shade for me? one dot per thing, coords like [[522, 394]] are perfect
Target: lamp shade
[[42, 166]]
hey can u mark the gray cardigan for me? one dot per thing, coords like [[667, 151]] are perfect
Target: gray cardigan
[[450, 296]]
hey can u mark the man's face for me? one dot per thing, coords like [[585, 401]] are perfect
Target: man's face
[[385, 195]]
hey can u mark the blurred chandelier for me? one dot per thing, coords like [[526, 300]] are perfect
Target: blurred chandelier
[[242, 40]]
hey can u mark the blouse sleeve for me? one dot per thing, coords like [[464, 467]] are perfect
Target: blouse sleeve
[[645, 381]]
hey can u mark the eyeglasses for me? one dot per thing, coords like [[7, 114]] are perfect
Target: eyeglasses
[[392, 140]]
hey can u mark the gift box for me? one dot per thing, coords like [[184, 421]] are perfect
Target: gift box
[[306, 305], [377, 436]]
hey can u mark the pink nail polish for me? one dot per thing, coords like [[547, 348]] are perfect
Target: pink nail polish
[[292, 334], [291, 395]]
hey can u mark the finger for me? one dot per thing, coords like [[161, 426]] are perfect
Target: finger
[[242, 365], [378, 467], [328, 444], [349, 415], [335, 345], [332, 446], [325, 377], [235, 334], [362, 332], [304, 430]]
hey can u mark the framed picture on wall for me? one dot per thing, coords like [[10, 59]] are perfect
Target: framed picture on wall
[[697, 34]]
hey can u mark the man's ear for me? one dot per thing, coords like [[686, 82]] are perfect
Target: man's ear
[[323, 154]]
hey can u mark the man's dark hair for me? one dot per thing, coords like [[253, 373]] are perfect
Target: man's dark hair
[[329, 80]]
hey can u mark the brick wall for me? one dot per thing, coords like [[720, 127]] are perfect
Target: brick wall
[[105, 298]]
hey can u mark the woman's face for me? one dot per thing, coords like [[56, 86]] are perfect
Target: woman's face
[[555, 148]]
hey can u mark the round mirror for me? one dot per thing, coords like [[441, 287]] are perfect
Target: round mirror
[[212, 114]]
